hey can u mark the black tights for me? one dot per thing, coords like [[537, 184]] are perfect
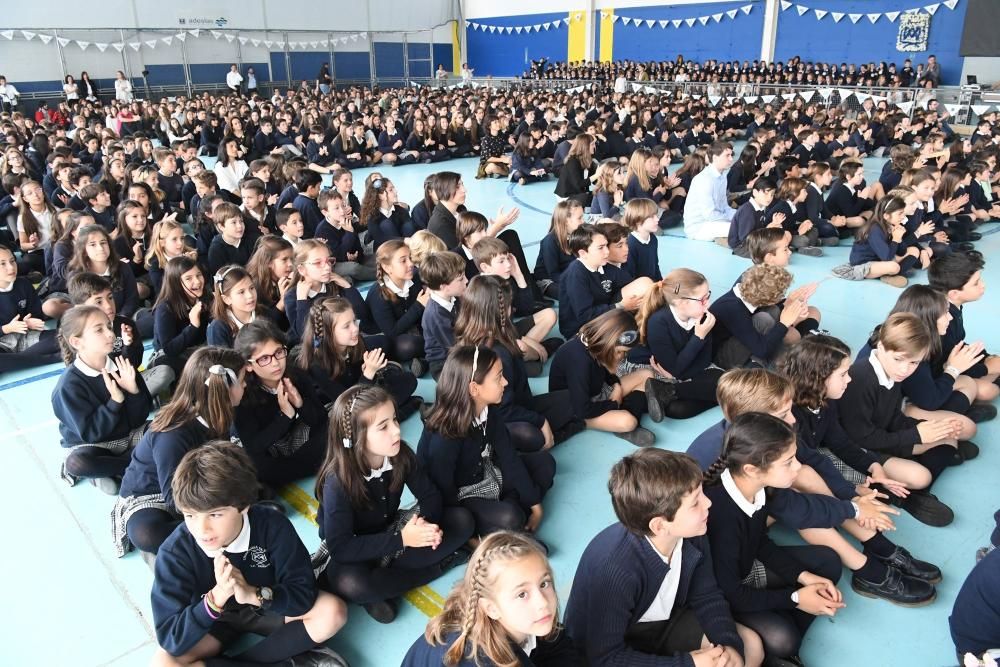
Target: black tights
[[555, 407], [695, 395], [94, 462], [364, 583], [148, 528], [510, 512], [406, 347], [782, 630]]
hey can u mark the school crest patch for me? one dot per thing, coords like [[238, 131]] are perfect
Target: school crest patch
[[258, 556]]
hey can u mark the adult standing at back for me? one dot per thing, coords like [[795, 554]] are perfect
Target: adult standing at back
[[707, 213], [324, 80], [234, 79], [932, 72], [8, 95]]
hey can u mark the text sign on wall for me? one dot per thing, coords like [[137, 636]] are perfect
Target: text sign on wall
[[914, 30]]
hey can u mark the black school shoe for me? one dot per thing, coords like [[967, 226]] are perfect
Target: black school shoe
[[552, 344], [968, 450], [903, 560], [897, 588], [810, 251], [659, 395], [924, 507], [639, 437], [981, 412], [321, 656], [383, 612]]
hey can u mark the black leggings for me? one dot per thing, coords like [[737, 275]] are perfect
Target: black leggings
[[555, 407], [510, 512], [782, 630], [364, 583], [33, 260], [147, 529], [45, 351], [96, 462], [695, 395], [406, 347]]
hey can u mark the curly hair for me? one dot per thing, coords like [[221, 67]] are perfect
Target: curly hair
[[808, 364], [765, 285]]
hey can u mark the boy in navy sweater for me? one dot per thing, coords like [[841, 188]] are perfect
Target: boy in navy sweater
[[443, 274], [231, 568], [644, 592], [308, 183], [642, 218], [338, 229], [753, 215]]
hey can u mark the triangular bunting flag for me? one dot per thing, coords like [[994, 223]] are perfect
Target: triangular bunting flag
[[690, 22], [62, 42], [862, 96], [845, 93], [732, 13], [892, 16], [518, 30], [820, 13], [102, 47], [664, 23], [493, 29], [636, 87], [767, 98], [119, 46], [836, 16], [268, 44], [953, 108], [216, 34], [855, 17], [244, 40], [905, 106], [788, 96], [135, 46], [626, 20], [714, 100], [614, 18], [313, 45], [801, 10], [746, 9], [182, 36], [703, 19], [931, 9], [981, 109], [785, 4], [195, 32], [696, 97], [468, 23], [508, 30], [167, 40], [605, 15], [650, 23], [83, 45], [825, 93], [255, 42], [28, 35], [677, 22], [547, 25], [649, 89], [230, 38], [749, 99], [537, 27], [950, 4], [717, 17], [873, 17], [7, 34], [45, 38]]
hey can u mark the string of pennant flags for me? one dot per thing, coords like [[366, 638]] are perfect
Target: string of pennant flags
[[821, 14], [626, 20], [182, 36]]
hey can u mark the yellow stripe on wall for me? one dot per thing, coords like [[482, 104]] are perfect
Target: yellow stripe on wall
[[576, 46], [607, 35], [456, 51]]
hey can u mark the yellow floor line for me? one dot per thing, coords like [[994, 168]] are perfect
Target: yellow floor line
[[425, 598]]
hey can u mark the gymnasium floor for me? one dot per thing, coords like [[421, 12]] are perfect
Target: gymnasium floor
[[71, 602]]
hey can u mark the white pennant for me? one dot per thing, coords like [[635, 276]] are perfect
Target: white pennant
[[892, 16], [825, 93], [636, 87], [244, 40], [313, 45], [785, 4], [62, 42], [508, 30], [614, 18], [690, 22], [649, 89], [732, 13], [855, 17], [749, 99], [537, 27], [767, 98], [119, 46], [605, 15], [717, 17], [981, 109], [9, 34], [820, 13], [547, 25], [268, 44], [788, 96], [167, 40], [83, 45], [677, 23], [28, 35], [216, 34], [151, 43], [862, 96], [953, 108], [696, 97], [102, 47], [746, 9], [182, 36], [664, 23], [905, 106], [703, 20], [469, 23], [931, 9], [255, 42], [230, 38], [845, 93], [873, 17], [135, 46], [650, 23], [45, 38], [626, 20], [801, 10], [836, 16], [518, 30], [195, 32], [878, 99], [493, 29], [714, 100], [950, 4]]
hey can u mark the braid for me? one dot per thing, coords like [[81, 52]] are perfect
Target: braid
[[503, 308], [713, 471], [457, 650], [66, 351], [387, 293], [316, 313], [345, 426]]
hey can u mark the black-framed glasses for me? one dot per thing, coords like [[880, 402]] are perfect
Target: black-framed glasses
[[265, 360], [628, 338], [703, 300]]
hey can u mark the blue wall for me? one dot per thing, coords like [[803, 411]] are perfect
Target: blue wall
[[865, 42], [504, 55], [730, 39]]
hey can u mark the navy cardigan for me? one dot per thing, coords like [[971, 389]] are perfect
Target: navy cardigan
[[87, 414], [675, 348], [552, 261], [733, 318], [583, 295], [643, 259], [398, 316], [876, 420], [157, 456]]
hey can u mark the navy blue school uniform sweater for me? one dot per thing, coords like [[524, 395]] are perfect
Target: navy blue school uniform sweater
[[173, 334], [954, 336], [86, 413], [419, 216], [675, 348], [339, 241], [618, 578], [133, 352], [124, 247], [361, 534], [792, 218], [552, 261], [574, 369], [22, 299], [183, 574], [456, 463], [259, 421], [734, 319], [844, 200], [876, 248], [634, 190], [221, 253], [558, 652], [395, 317], [583, 295], [287, 196], [822, 429], [309, 211], [105, 218], [62, 254], [873, 415], [220, 332], [515, 405], [642, 258], [805, 155], [157, 456], [814, 205], [382, 227], [975, 618], [438, 326], [748, 218], [928, 387], [297, 311]]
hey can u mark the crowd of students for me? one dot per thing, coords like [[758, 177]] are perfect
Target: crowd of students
[[246, 277]]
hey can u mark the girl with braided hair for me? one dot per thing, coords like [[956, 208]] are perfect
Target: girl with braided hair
[[533, 422], [397, 302], [374, 550], [337, 357], [503, 612]]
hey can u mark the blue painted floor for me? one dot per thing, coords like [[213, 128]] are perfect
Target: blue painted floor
[[72, 602]]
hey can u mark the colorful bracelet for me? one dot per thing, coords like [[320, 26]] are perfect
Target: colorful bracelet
[[208, 609]]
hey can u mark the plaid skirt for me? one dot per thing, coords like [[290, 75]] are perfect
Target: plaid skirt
[[320, 558], [119, 446], [15, 342], [849, 473], [489, 487], [123, 510], [757, 577]]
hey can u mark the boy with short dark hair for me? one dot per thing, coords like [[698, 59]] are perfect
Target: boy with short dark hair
[[752, 216], [98, 205], [337, 229], [443, 274], [585, 290], [769, 245], [234, 567], [644, 591], [308, 184]]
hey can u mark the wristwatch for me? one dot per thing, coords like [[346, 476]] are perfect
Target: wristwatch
[[264, 596]]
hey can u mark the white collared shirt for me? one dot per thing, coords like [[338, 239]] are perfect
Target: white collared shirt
[[687, 325], [387, 212], [401, 292], [291, 240], [639, 238], [235, 245], [441, 301], [236, 320], [314, 293], [237, 546], [739, 295], [10, 287], [663, 603], [759, 209], [79, 364], [386, 467], [747, 507], [883, 379], [599, 269], [529, 644], [481, 419], [816, 188], [467, 251], [792, 206]]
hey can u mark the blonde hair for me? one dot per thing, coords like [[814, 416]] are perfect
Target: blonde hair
[[764, 285], [462, 612], [743, 390], [906, 333], [160, 231], [560, 216], [666, 293], [604, 178], [637, 211], [422, 244], [637, 167]]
